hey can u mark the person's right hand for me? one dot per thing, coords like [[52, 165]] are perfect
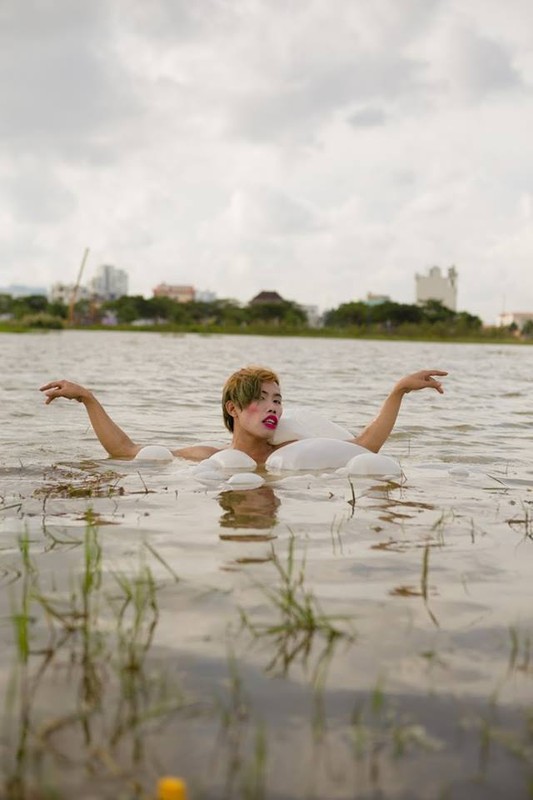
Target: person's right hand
[[67, 389]]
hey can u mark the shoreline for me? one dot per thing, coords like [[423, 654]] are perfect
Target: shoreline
[[318, 333]]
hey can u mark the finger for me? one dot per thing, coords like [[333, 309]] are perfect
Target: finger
[[51, 385]]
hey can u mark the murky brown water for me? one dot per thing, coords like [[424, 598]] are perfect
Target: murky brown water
[[414, 677]]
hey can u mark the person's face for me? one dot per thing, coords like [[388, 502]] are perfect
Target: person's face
[[261, 417]]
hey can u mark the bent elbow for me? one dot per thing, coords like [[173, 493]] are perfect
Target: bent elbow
[[126, 453], [368, 444]]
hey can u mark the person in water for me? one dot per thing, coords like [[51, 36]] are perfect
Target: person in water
[[251, 406]]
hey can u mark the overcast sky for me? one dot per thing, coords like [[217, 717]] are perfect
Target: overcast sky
[[320, 148]]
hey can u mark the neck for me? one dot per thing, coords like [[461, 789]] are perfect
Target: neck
[[258, 449]]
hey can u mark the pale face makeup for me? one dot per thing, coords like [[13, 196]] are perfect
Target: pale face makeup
[[261, 417]]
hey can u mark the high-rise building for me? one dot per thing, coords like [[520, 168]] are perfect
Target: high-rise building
[[110, 283], [436, 286]]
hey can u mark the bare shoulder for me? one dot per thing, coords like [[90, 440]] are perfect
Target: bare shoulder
[[196, 452]]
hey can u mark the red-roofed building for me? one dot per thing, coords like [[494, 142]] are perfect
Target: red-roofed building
[[181, 294]]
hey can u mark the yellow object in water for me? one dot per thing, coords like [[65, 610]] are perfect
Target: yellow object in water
[[171, 789]]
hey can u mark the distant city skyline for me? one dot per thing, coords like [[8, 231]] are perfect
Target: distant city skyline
[[110, 282], [433, 283]]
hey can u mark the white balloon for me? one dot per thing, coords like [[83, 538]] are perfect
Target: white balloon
[[206, 466], [232, 459], [208, 478], [302, 423], [246, 480], [319, 453], [374, 464], [154, 452]]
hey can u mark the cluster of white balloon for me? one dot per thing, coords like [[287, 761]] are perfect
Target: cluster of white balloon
[[315, 443]]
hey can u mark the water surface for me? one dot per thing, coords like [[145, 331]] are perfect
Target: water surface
[[414, 678]]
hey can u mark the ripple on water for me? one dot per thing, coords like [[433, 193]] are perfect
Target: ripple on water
[[443, 548]]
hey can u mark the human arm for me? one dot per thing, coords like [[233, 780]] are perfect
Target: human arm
[[112, 438], [377, 432]]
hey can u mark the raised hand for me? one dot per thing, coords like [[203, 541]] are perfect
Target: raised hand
[[424, 379], [67, 389]]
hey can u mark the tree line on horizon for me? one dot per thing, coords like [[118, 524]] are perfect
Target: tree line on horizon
[[358, 317]]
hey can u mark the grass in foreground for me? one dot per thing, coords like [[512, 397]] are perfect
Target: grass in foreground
[[300, 624]]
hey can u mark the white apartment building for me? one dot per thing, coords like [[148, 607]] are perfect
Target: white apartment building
[[518, 318], [109, 283], [436, 286], [63, 292]]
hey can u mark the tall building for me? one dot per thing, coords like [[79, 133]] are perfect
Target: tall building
[[436, 286], [110, 283]]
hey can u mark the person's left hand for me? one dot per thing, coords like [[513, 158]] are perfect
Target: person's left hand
[[424, 379]]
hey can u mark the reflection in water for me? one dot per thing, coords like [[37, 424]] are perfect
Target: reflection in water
[[250, 508]]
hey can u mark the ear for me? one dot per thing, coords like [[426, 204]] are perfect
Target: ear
[[231, 408]]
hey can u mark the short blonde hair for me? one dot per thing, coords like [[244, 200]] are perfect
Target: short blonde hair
[[243, 387]]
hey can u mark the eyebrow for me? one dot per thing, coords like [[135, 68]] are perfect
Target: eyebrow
[[276, 394]]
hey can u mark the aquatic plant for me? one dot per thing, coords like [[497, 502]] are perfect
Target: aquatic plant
[[300, 623], [69, 483], [111, 693], [525, 522], [379, 732], [520, 656], [244, 766]]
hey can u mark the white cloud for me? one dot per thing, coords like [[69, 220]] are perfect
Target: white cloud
[[468, 67], [323, 150], [368, 117], [261, 211], [62, 90]]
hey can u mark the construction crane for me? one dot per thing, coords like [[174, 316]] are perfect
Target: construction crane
[[74, 295]]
